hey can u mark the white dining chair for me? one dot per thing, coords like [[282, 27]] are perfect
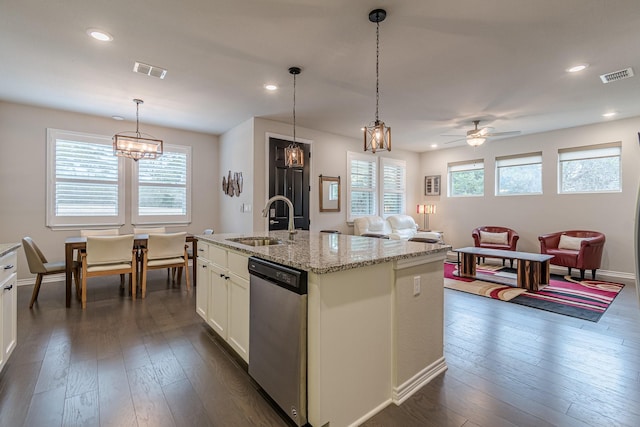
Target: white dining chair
[[167, 250], [107, 255]]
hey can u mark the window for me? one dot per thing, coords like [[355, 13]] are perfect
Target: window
[[519, 174], [466, 179], [594, 169], [393, 186], [84, 181], [371, 180], [162, 188], [362, 180]]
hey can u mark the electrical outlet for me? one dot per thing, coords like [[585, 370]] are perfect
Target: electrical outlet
[[416, 286]]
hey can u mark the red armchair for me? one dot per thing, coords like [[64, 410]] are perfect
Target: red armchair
[[483, 240], [580, 249]]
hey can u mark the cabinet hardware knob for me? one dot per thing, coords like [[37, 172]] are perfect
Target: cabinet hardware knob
[[221, 275], [8, 288], [7, 267]]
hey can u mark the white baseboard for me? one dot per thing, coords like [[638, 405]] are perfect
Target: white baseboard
[[370, 414], [409, 387]]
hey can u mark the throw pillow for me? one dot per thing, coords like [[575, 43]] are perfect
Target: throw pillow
[[494, 238], [568, 242]]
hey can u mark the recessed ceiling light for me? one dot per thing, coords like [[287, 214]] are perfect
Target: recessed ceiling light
[[609, 114], [577, 68], [117, 117], [100, 35], [270, 87], [434, 145]]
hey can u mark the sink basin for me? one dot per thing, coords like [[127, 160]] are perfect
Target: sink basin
[[257, 241]]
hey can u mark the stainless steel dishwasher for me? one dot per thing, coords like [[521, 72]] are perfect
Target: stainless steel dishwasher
[[278, 335]]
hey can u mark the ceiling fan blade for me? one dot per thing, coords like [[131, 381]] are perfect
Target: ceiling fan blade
[[456, 140], [452, 134], [513, 132]]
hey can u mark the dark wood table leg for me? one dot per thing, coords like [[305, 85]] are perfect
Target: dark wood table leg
[[68, 267], [545, 274], [467, 266]]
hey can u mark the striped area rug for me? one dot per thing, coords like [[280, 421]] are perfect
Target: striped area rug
[[570, 296]]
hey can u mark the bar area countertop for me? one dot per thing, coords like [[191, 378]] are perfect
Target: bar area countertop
[[6, 248], [323, 253]]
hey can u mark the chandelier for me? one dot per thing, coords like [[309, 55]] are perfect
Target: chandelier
[[293, 154], [377, 136], [136, 145]]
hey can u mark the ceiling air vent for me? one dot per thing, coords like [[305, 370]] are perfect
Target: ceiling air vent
[[149, 70], [617, 75]]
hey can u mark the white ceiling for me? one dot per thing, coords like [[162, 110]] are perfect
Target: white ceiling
[[443, 63]]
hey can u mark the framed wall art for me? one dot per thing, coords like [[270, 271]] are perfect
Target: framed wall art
[[432, 185]]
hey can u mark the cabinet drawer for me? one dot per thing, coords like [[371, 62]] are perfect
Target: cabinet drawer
[[218, 255], [238, 264], [8, 266], [203, 249]]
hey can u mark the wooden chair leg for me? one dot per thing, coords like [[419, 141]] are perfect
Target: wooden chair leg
[[569, 268], [186, 276], [84, 291], [582, 274], [36, 289], [593, 274]]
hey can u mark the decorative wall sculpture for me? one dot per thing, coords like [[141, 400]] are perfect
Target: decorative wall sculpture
[[232, 186]]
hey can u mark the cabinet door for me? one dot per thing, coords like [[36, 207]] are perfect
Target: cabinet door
[[218, 305], [202, 290], [239, 315], [9, 317]]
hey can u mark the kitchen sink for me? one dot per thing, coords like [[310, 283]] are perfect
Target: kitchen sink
[[256, 241]]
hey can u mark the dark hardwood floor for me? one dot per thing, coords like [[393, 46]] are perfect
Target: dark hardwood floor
[[153, 362]]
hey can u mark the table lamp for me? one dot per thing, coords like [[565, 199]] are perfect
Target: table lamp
[[426, 210]]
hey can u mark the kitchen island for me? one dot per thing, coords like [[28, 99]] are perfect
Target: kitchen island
[[375, 314]]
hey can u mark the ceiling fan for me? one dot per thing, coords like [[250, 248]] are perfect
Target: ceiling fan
[[478, 136]]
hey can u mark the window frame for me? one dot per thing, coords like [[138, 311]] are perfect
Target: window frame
[[464, 166], [351, 156], [76, 222], [136, 218], [514, 161], [377, 189], [389, 162], [597, 151]]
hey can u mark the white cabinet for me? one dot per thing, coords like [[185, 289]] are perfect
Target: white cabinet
[[222, 295], [8, 306]]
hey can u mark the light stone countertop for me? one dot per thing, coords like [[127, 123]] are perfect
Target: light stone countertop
[[322, 253], [6, 248]]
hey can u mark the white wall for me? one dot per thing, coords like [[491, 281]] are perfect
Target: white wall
[[23, 168], [531, 216], [236, 155], [328, 157]]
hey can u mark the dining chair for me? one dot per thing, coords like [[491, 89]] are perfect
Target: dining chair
[[148, 230], [39, 265], [107, 255], [167, 250], [98, 232]]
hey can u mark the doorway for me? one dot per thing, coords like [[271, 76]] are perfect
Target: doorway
[[293, 183]]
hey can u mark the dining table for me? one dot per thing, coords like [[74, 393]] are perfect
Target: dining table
[[72, 244]]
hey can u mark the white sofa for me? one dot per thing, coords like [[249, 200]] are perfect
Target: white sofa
[[398, 227]]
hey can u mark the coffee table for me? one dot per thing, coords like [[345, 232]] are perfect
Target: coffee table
[[533, 269]]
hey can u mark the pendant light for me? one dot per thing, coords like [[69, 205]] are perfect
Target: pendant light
[[136, 145], [377, 136], [293, 154]]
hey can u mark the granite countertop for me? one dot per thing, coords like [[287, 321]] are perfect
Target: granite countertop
[[6, 248], [322, 253]]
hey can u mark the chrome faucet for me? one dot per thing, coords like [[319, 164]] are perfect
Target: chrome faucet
[[265, 212]]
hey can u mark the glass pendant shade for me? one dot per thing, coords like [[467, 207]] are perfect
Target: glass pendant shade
[[377, 137], [136, 145], [294, 156], [476, 141]]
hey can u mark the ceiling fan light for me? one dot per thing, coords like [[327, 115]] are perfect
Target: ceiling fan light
[[475, 141]]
